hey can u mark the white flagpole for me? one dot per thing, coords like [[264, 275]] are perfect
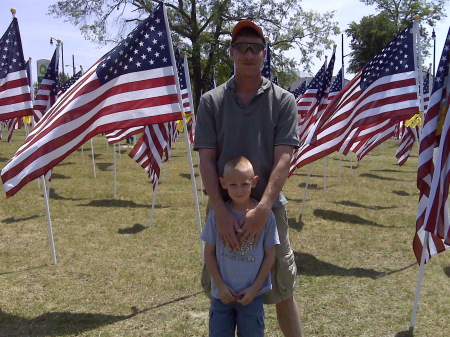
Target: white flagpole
[[419, 280], [155, 192], [200, 176], [115, 169], [49, 221], [93, 159], [306, 191], [325, 176], [340, 168], [82, 154], [186, 136]]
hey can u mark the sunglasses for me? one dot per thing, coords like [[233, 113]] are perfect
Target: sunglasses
[[242, 47]]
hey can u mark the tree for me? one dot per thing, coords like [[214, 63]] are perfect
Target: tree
[[374, 32], [205, 26]]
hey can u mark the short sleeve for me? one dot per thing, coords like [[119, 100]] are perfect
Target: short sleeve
[[205, 129], [271, 232], [209, 233], [286, 130]]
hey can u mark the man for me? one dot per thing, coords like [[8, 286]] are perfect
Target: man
[[252, 117]]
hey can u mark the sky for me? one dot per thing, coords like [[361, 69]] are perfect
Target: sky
[[36, 29]]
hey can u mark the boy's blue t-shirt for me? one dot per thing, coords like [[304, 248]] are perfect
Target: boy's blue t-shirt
[[239, 269]]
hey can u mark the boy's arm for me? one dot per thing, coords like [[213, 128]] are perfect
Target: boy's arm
[[226, 294], [226, 223], [247, 295], [256, 218]]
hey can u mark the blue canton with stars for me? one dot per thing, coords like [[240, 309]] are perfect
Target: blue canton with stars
[[145, 48], [397, 57], [300, 89], [442, 69], [52, 74], [337, 83], [11, 54], [180, 68]]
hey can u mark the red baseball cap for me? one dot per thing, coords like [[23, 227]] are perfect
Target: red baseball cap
[[246, 24]]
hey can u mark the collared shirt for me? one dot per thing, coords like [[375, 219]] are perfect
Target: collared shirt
[[225, 124]]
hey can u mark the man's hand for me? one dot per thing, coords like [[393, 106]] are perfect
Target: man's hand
[[227, 227], [226, 294], [252, 225]]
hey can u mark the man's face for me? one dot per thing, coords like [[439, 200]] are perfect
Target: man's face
[[247, 62]]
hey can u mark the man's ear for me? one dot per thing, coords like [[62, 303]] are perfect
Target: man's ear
[[255, 181], [222, 182]]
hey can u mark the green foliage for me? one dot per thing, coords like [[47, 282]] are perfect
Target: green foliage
[[374, 32], [205, 26]]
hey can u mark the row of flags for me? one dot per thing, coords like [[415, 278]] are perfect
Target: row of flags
[[134, 90]]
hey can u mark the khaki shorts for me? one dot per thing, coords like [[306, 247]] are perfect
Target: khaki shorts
[[284, 270]]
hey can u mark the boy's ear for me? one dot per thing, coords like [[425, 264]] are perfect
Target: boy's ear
[[222, 182], [255, 181]]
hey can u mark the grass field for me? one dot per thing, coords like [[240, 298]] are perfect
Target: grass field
[[116, 276]]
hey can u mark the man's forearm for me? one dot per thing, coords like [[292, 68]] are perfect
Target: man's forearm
[[278, 176]]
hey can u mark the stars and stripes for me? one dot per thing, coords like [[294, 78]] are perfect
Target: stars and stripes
[[15, 96], [48, 89], [265, 71], [132, 85], [300, 90], [433, 172], [384, 90], [70, 82], [185, 82]]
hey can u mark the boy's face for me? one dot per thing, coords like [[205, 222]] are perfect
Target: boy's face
[[238, 184], [248, 63]]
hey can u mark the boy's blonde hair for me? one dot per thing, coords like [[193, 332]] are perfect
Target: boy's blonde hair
[[239, 163]]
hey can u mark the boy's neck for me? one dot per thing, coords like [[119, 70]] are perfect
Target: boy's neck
[[242, 207]]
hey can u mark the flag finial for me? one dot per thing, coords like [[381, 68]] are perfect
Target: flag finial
[[13, 12]]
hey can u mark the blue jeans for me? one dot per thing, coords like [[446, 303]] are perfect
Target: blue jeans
[[249, 319]]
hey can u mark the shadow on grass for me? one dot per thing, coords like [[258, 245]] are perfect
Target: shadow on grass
[[405, 333], [60, 176], [447, 271], [306, 175], [22, 271], [401, 193], [65, 164], [310, 186], [165, 303], [374, 176], [308, 264], [13, 219], [187, 176], [118, 203], [56, 196], [295, 224], [104, 166], [347, 218], [132, 230], [56, 323], [3, 160], [354, 204]]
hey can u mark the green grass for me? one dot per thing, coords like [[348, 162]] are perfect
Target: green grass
[[115, 276]]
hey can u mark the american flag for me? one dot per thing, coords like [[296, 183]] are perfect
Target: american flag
[[118, 135], [300, 90], [71, 81], [385, 89], [411, 134], [13, 124], [185, 82], [149, 149], [15, 96], [132, 85], [366, 144], [433, 174], [320, 101], [265, 71], [275, 80], [48, 89], [305, 102], [212, 82]]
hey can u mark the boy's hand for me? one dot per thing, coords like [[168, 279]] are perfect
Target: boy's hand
[[247, 295], [226, 294]]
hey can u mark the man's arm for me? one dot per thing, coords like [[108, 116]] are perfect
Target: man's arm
[[226, 222], [256, 218], [247, 295], [226, 293]]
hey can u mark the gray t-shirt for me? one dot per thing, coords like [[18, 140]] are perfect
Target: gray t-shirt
[[225, 124], [239, 269]]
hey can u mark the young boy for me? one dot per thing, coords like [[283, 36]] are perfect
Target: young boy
[[239, 278]]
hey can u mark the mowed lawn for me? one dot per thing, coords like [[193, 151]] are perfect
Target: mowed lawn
[[116, 276]]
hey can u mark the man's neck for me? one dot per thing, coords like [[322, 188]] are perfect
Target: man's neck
[[247, 87]]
